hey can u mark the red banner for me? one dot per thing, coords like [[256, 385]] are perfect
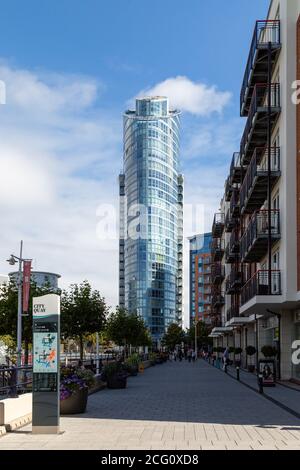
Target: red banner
[[26, 284]]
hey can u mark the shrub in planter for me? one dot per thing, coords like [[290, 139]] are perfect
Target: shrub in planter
[[115, 375], [132, 364], [152, 358], [269, 351], [250, 351], [74, 387]]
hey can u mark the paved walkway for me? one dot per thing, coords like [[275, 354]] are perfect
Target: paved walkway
[[172, 406], [284, 394]]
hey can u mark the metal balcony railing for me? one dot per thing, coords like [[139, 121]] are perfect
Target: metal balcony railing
[[233, 248], [265, 32], [256, 176], [234, 281], [217, 300], [235, 168], [260, 103], [218, 225], [217, 273], [233, 312], [217, 249], [254, 242], [258, 285]]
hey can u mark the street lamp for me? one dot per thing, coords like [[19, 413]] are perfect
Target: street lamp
[[12, 261]]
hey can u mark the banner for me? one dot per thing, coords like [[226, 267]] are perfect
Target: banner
[[26, 285]]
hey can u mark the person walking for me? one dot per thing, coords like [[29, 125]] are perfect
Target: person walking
[[225, 358], [193, 355], [189, 355]]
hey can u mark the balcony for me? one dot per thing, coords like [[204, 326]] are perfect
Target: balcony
[[258, 285], [256, 129], [254, 190], [217, 300], [233, 248], [234, 282], [218, 225], [254, 242], [217, 250], [233, 312], [217, 273], [266, 34], [234, 177]]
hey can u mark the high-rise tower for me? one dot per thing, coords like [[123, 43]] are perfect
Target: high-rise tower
[[151, 215]]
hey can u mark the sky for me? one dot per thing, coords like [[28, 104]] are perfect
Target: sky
[[71, 68]]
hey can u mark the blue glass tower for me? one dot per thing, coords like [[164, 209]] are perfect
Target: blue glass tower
[[151, 215]]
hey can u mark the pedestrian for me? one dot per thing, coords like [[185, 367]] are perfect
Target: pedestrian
[[193, 355], [189, 355], [175, 355], [225, 358]]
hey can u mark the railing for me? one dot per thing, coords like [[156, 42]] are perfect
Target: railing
[[234, 280], [217, 271], [259, 227], [218, 299], [259, 165], [218, 224], [233, 312], [14, 380], [235, 201], [260, 98], [217, 248], [259, 285], [233, 246], [265, 32], [235, 163]]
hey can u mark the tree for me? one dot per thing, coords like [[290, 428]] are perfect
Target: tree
[[173, 336], [202, 334], [125, 329], [83, 312], [9, 312]]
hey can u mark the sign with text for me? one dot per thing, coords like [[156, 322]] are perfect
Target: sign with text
[[46, 341], [26, 284]]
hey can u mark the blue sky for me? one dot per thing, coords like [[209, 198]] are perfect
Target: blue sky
[[70, 68]]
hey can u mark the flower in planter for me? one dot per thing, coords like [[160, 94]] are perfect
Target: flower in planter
[[73, 380]]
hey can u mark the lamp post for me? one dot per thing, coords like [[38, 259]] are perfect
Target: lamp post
[[12, 261], [196, 343]]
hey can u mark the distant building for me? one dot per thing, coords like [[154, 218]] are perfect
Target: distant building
[[41, 278], [200, 283]]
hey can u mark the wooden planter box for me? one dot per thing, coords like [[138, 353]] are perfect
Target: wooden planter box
[[75, 404]]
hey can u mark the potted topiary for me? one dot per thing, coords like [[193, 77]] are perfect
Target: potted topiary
[[74, 388], [250, 351], [238, 352], [115, 375], [269, 351]]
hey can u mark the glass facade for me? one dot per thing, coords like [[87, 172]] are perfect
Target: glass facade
[[151, 198]]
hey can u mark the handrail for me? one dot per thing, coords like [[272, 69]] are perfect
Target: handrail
[[260, 98], [261, 36]]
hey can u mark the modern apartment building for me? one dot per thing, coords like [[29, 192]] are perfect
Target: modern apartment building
[[151, 215], [256, 235], [200, 283]]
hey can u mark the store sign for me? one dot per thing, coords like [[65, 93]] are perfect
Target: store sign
[[46, 341]]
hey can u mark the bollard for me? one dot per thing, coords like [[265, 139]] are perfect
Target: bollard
[[13, 383], [238, 374], [260, 384]]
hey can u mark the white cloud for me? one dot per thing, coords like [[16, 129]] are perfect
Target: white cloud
[[59, 159], [188, 96]]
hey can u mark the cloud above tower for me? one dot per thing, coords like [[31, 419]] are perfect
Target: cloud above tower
[[192, 97]]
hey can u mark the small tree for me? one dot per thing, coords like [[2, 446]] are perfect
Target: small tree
[[83, 312], [124, 329], [173, 336], [269, 351]]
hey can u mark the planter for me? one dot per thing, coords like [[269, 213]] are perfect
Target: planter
[[117, 381], [75, 404]]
